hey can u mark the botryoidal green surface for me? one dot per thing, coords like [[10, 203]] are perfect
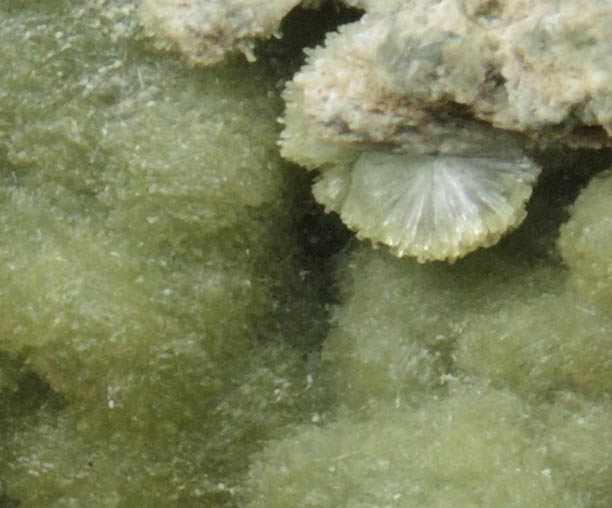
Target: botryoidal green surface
[[155, 318], [148, 253]]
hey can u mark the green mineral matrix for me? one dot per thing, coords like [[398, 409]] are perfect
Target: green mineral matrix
[[173, 335]]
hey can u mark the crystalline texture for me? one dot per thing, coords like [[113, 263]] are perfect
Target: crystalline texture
[[206, 31], [431, 207]]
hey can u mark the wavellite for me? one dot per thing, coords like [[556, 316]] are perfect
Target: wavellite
[[167, 334], [149, 266]]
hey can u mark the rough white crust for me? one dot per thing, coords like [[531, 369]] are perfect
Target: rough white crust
[[427, 180], [206, 31]]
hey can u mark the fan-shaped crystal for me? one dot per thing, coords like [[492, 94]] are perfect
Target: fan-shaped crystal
[[432, 207]]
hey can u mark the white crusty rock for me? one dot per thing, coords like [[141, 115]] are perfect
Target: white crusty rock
[[206, 31], [415, 115], [438, 95], [432, 183], [537, 67]]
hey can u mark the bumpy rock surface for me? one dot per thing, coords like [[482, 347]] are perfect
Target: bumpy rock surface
[[586, 241], [450, 80], [476, 447], [484, 383], [154, 304], [451, 90], [206, 31], [143, 282]]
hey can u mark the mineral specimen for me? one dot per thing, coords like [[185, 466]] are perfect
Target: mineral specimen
[[417, 114], [484, 383], [142, 285], [586, 241], [207, 31], [430, 206], [478, 446], [434, 84], [167, 340]]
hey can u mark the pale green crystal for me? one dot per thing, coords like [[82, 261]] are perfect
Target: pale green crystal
[[586, 242], [435, 366], [148, 263], [476, 447], [160, 317]]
